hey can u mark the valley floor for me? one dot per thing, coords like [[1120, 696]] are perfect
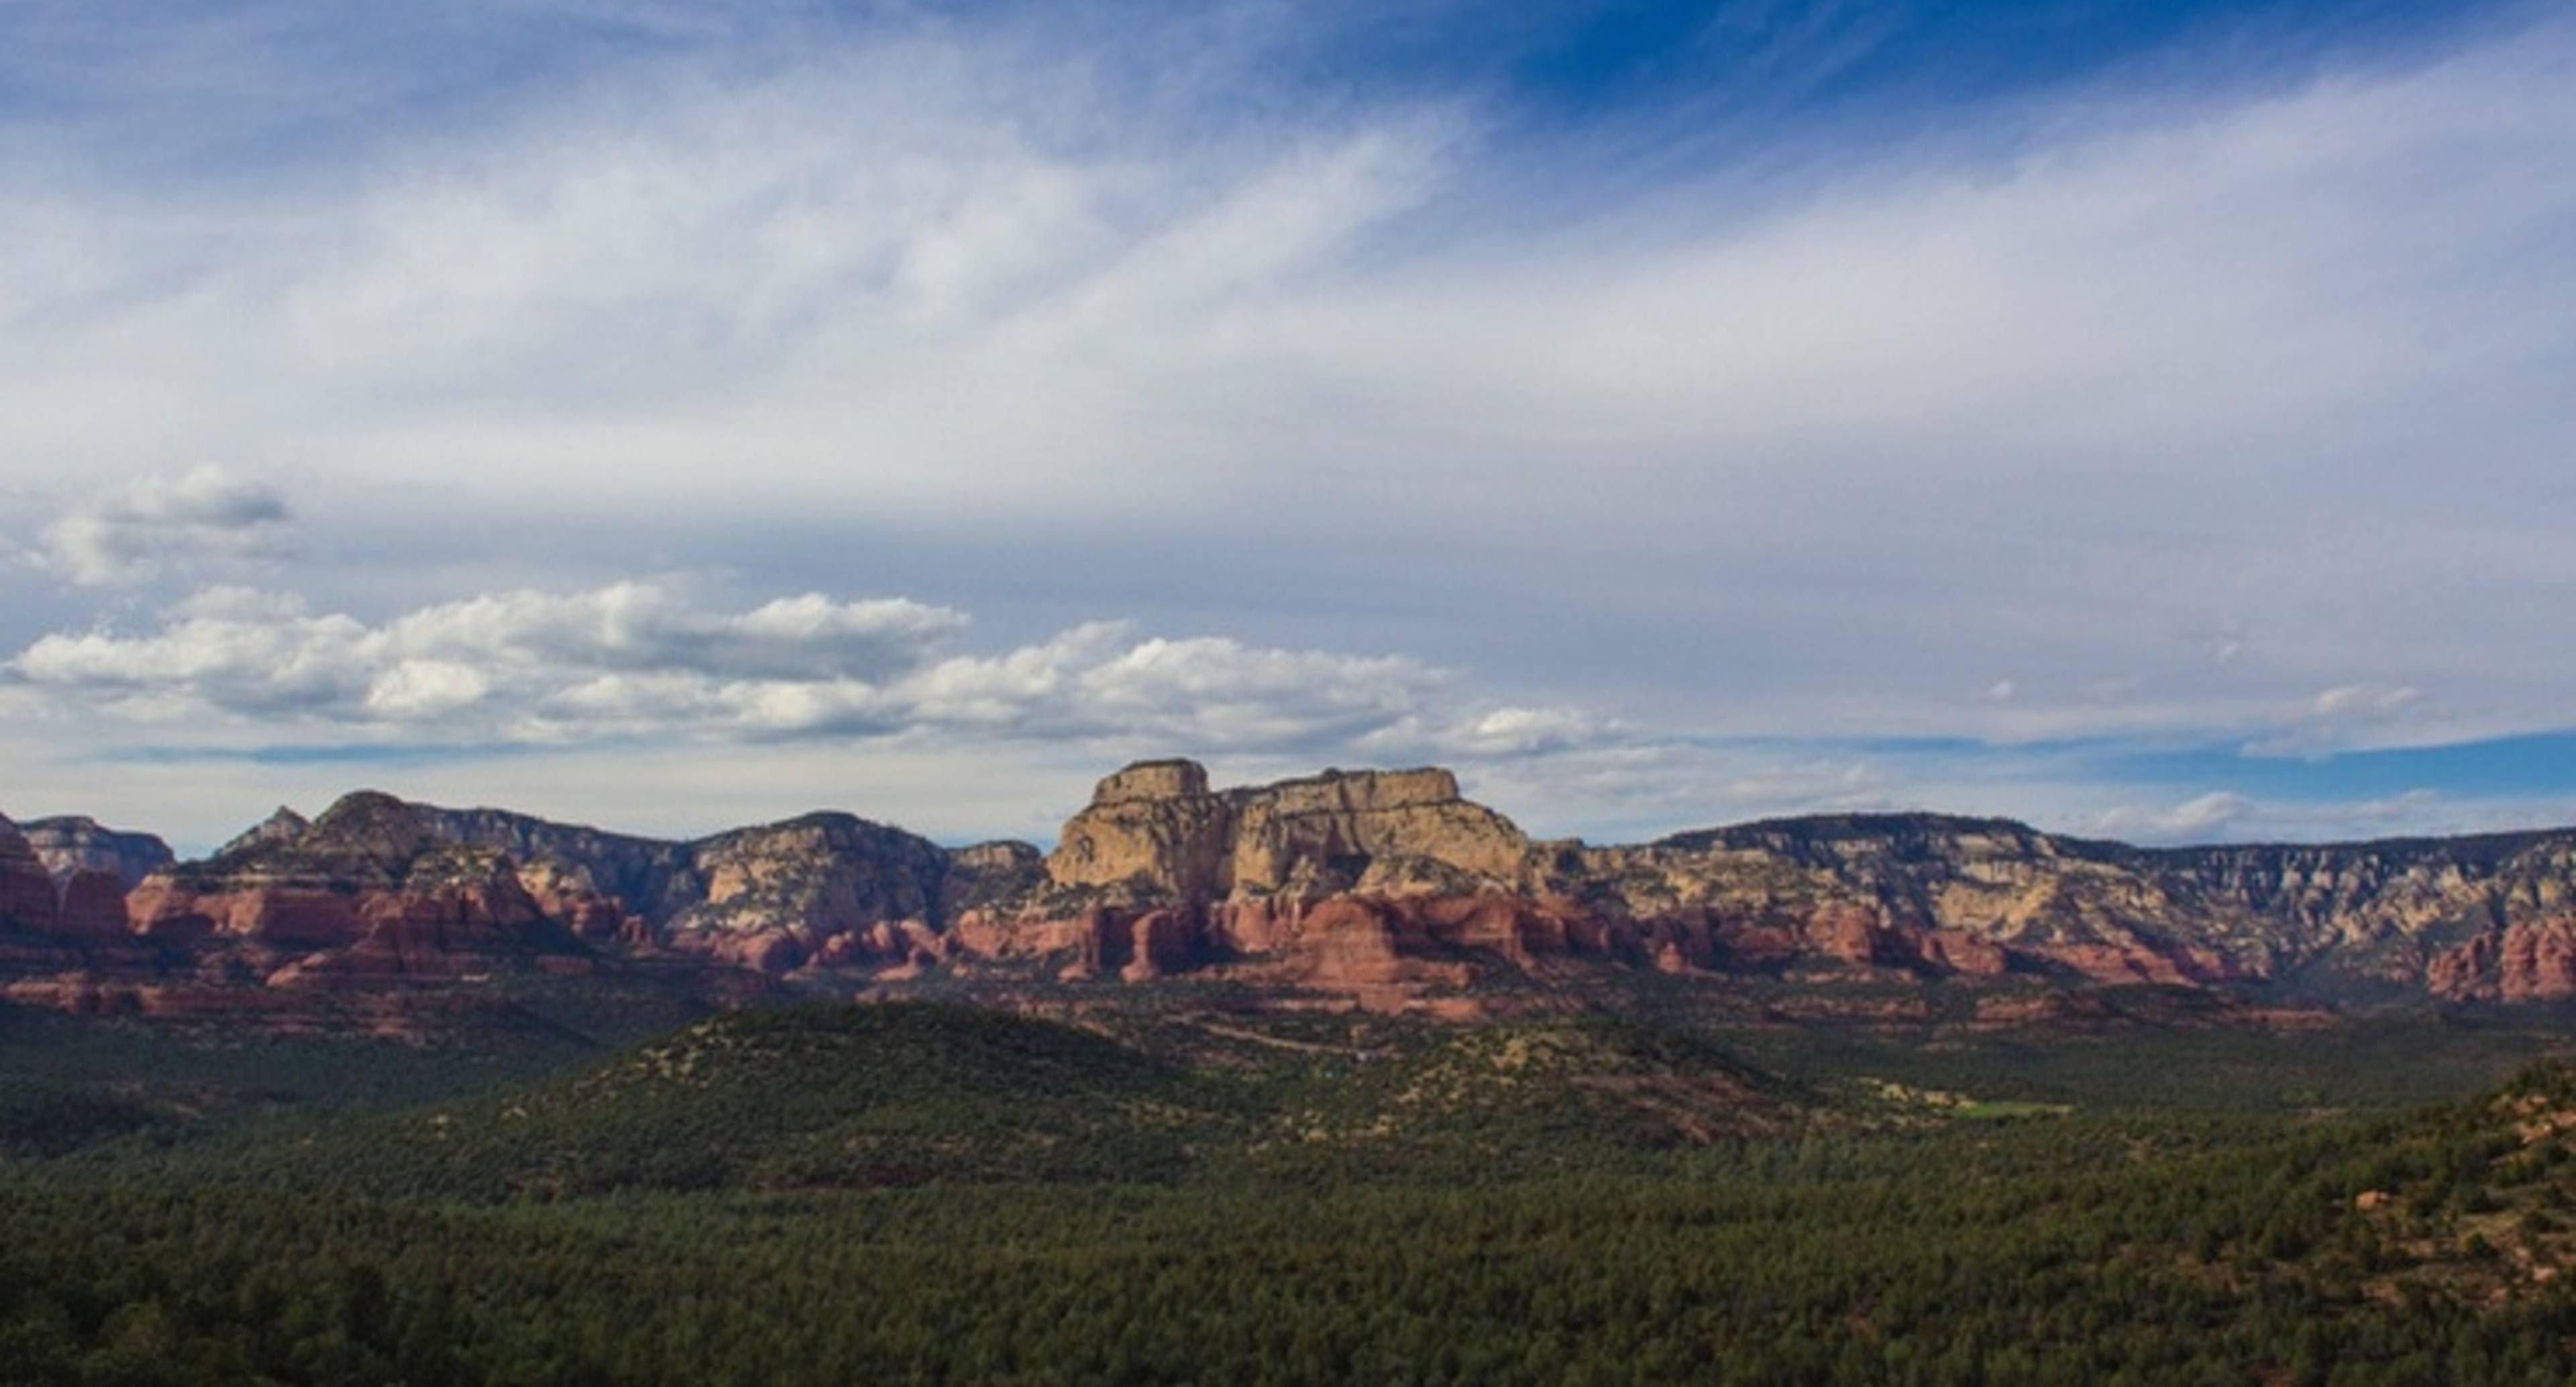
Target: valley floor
[[941, 1195]]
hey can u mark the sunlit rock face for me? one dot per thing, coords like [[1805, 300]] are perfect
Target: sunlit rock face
[[1381, 888], [1156, 830]]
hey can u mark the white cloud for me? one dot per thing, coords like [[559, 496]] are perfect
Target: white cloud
[[2344, 717], [2086, 401], [2362, 700], [642, 659], [2202, 816], [510, 660], [161, 522], [2227, 816], [1858, 430]]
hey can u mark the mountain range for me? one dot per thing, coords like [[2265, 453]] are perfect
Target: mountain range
[[1383, 889]]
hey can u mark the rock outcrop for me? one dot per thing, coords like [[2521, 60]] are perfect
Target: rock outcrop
[[779, 896], [369, 894], [1154, 831], [1385, 887], [283, 826], [76, 843], [1392, 880], [2527, 961], [67, 927], [26, 889]]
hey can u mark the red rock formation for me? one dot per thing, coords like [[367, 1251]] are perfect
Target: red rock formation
[[27, 900], [93, 908], [1387, 887], [1958, 951], [1160, 942], [2530, 961], [77, 843]]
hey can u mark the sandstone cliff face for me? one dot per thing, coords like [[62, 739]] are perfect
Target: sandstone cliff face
[[420, 891], [1387, 887], [78, 844], [988, 874], [2364, 912], [30, 942], [26, 888], [1389, 879], [650, 877], [1156, 832], [1153, 830], [1369, 882], [2527, 961], [1950, 895], [1331, 831], [779, 896], [71, 927], [368, 894]]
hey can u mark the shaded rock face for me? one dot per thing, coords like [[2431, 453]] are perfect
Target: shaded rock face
[[776, 897], [72, 927], [26, 889], [985, 874], [78, 844], [379, 889], [652, 878], [284, 826]]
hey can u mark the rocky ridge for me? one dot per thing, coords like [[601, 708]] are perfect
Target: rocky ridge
[[77, 843], [1388, 888]]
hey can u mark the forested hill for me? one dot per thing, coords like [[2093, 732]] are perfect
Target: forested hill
[[935, 1195]]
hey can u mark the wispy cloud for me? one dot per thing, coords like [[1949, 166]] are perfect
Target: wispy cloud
[[2224, 413]]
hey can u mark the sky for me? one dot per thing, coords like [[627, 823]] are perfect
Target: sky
[[2145, 419]]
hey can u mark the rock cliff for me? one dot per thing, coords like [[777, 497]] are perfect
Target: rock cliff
[[70, 925], [1388, 887], [1392, 880], [369, 894], [1155, 832], [77, 843], [823, 888]]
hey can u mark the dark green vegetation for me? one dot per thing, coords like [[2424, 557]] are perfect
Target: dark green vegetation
[[932, 1194]]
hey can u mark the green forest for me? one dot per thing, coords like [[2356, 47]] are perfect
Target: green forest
[[918, 1193]]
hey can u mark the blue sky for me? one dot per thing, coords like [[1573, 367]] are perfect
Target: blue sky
[[2143, 419]]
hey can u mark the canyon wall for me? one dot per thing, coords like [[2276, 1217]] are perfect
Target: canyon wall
[[1388, 887]]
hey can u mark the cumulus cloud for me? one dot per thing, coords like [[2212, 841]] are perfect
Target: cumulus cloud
[[162, 522], [643, 659], [515, 664]]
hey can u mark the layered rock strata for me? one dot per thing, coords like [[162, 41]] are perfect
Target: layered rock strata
[[1385, 886], [76, 843]]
